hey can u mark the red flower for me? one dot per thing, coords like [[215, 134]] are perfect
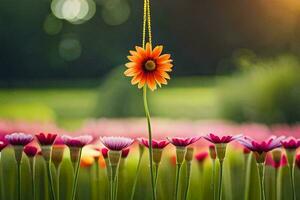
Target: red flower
[[183, 142], [298, 160], [290, 143], [261, 146], [79, 141], [274, 163], [212, 151], [125, 153], [46, 138], [246, 150], [30, 151], [218, 140], [200, 157], [156, 144], [3, 144], [104, 152]]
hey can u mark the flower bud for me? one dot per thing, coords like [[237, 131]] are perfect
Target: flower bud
[[189, 154], [212, 152]]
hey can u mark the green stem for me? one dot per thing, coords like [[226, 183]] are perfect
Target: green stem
[[111, 188], [261, 173], [213, 178], [116, 188], [32, 176], [276, 175], [57, 181], [177, 177], [188, 177], [136, 176], [220, 179], [292, 175], [150, 139], [19, 180], [74, 188], [248, 174], [52, 191], [156, 176]]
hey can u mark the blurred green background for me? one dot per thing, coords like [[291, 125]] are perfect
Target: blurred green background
[[62, 60]]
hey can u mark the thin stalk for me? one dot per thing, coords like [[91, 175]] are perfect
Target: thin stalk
[[116, 188], [220, 179], [212, 184], [150, 139], [136, 177], [248, 174], [74, 189], [32, 161], [19, 180], [261, 173], [292, 175], [52, 191], [188, 178], [111, 188], [177, 177], [276, 175], [57, 181], [156, 176]]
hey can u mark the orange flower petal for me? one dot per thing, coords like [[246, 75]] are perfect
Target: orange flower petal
[[142, 82], [165, 67], [157, 51], [163, 58], [134, 58], [148, 49], [136, 79], [151, 82], [140, 51], [132, 71], [164, 74], [130, 64], [160, 79]]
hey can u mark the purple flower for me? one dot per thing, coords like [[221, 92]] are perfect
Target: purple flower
[[116, 143], [261, 146], [30, 151], [183, 142], [46, 138], [219, 140], [156, 144], [290, 143], [21, 139], [79, 141]]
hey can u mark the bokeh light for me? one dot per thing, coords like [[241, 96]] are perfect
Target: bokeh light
[[52, 25], [70, 48], [115, 12]]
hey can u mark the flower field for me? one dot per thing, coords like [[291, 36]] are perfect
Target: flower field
[[240, 174]]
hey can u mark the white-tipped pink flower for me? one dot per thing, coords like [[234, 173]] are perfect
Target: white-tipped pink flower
[[19, 139], [79, 141], [156, 144], [220, 139], [116, 143], [182, 142]]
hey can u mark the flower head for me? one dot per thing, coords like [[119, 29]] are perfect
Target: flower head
[[290, 143], [104, 152], [219, 140], [156, 144], [46, 138], [3, 144], [261, 146], [20, 139], [182, 142], [116, 143], [200, 157], [30, 151], [79, 141], [298, 160], [276, 163], [125, 153], [148, 67]]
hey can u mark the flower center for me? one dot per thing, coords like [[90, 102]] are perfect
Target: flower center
[[150, 65]]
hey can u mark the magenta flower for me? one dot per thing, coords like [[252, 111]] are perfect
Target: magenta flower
[[290, 143], [156, 144], [221, 140], [30, 151], [116, 143], [3, 144], [263, 146], [104, 152], [276, 164], [46, 139], [182, 142], [125, 153], [200, 157], [79, 141], [19, 139], [297, 161]]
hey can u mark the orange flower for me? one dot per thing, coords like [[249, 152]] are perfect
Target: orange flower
[[148, 66]]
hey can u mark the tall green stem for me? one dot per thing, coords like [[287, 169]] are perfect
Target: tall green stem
[[248, 176], [136, 176], [292, 175], [53, 196], [19, 180], [74, 189], [177, 177], [32, 162], [261, 173], [213, 178], [156, 165], [188, 177], [220, 179], [150, 139]]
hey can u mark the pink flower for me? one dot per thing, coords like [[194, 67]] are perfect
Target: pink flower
[[125, 153], [104, 152], [46, 139], [21, 139], [246, 150], [290, 143], [3, 144], [271, 162], [218, 140], [116, 143], [156, 144], [262, 146], [298, 160], [30, 151], [79, 141], [183, 142], [200, 157]]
